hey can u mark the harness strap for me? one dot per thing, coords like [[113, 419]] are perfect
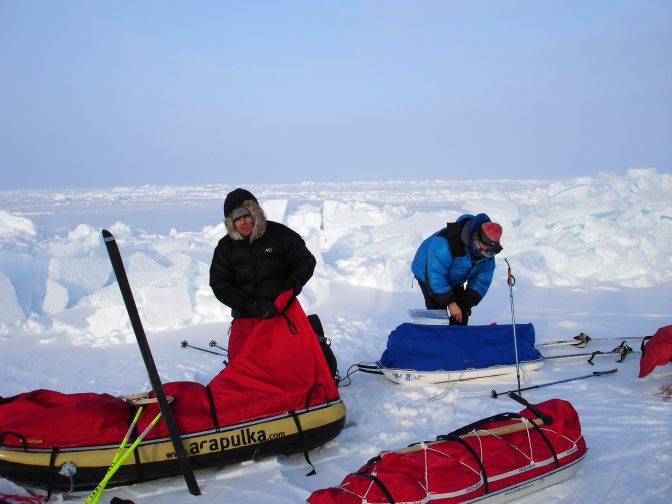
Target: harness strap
[[290, 302], [19, 436], [310, 393], [476, 458], [302, 440], [213, 410], [475, 425], [52, 470], [283, 313], [644, 342], [379, 483], [5, 400], [547, 419], [290, 324], [590, 361], [548, 443]]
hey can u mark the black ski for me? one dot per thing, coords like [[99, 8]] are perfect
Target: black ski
[[129, 301]]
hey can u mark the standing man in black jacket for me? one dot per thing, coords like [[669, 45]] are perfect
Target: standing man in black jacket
[[257, 259]]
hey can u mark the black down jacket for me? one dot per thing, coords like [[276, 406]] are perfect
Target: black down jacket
[[243, 271]]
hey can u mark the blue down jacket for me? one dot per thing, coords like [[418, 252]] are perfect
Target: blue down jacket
[[446, 260]]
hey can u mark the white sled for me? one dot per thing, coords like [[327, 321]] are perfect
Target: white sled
[[527, 487], [415, 377]]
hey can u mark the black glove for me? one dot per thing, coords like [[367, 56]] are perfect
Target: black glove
[[464, 304], [465, 307], [471, 297], [295, 285], [261, 308]]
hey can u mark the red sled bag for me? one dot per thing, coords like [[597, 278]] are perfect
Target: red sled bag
[[656, 350], [276, 396], [507, 456]]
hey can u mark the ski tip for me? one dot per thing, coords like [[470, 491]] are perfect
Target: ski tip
[[107, 236]]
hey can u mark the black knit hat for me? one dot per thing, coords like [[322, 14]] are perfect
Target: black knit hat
[[235, 199]]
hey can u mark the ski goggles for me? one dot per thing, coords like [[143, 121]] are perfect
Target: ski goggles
[[492, 248]]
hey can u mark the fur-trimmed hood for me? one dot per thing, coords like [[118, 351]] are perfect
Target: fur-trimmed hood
[[259, 222]]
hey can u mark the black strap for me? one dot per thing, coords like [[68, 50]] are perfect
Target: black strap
[[283, 313], [644, 342], [290, 302], [302, 440], [380, 484], [213, 409], [16, 434], [590, 361], [52, 471], [548, 443], [310, 393], [290, 324], [139, 466], [504, 416], [476, 458], [547, 419], [476, 425], [453, 235], [5, 400]]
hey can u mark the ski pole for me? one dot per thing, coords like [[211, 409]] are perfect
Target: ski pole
[[185, 344], [213, 343], [127, 436], [119, 453], [98, 491], [511, 280], [494, 394]]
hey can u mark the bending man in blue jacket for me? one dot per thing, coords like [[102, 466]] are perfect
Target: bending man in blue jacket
[[460, 253]]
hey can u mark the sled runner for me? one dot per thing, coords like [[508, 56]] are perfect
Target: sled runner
[[494, 460], [276, 396], [426, 354]]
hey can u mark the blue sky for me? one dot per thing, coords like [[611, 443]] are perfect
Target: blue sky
[[104, 93]]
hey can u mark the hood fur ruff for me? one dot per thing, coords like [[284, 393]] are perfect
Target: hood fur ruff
[[259, 222]]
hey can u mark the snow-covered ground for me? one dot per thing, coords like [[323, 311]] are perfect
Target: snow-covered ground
[[590, 255]]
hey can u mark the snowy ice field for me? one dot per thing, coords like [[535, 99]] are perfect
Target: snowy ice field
[[589, 254]]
